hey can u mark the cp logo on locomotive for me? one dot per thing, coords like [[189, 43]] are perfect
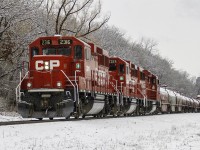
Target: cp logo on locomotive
[[41, 65]]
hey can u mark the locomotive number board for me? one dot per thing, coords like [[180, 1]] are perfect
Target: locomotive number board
[[45, 42], [65, 42], [113, 61]]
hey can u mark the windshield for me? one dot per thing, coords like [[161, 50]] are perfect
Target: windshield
[[112, 67], [57, 51]]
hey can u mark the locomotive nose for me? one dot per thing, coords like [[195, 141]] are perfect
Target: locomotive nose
[[47, 71]]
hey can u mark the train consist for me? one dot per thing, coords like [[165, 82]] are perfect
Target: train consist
[[69, 77]]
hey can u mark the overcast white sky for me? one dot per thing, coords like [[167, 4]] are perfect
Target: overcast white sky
[[173, 24]]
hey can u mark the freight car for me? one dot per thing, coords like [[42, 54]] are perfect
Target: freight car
[[69, 77], [174, 102]]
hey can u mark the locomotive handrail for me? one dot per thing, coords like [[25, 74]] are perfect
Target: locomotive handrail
[[71, 84], [144, 96], [77, 85], [18, 88], [116, 89]]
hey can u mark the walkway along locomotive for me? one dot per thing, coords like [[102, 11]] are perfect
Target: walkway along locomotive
[[69, 77]]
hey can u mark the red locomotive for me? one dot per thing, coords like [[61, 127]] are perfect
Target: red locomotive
[[69, 77]]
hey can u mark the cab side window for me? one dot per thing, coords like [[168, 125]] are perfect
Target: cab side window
[[121, 68], [78, 52], [127, 70], [134, 73], [153, 81], [142, 76], [34, 51], [112, 67], [87, 53]]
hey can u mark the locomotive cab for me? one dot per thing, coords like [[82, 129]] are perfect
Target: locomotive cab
[[122, 84], [151, 82]]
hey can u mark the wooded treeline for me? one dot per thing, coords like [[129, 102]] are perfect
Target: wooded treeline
[[21, 21]]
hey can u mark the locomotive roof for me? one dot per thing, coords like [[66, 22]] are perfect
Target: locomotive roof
[[120, 59], [60, 37], [83, 42]]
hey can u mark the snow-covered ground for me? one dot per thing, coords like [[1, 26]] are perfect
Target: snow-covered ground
[[161, 132]]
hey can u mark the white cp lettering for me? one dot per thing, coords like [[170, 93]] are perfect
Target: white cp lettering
[[39, 67], [54, 63], [39, 64]]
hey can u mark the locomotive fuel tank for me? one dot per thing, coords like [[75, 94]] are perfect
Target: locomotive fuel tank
[[132, 106], [96, 105]]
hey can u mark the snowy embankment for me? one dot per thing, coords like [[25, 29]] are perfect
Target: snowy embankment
[[9, 116], [160, 132]]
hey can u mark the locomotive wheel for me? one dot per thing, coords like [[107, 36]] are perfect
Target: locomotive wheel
[[79, 110], [39, 118], [51, 118], [68, 117], [77, 117]]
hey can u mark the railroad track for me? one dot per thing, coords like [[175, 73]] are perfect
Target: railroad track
[[6, 123], [29, 122], [71, 119]]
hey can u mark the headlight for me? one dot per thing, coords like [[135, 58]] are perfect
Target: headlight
[[59, 84], [46, 65], [29, 84]]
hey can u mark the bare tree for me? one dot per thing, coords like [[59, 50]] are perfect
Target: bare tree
[[17, 27], [16, 19], [77, 17], [198, 85], [144, 53], [148, 45]]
